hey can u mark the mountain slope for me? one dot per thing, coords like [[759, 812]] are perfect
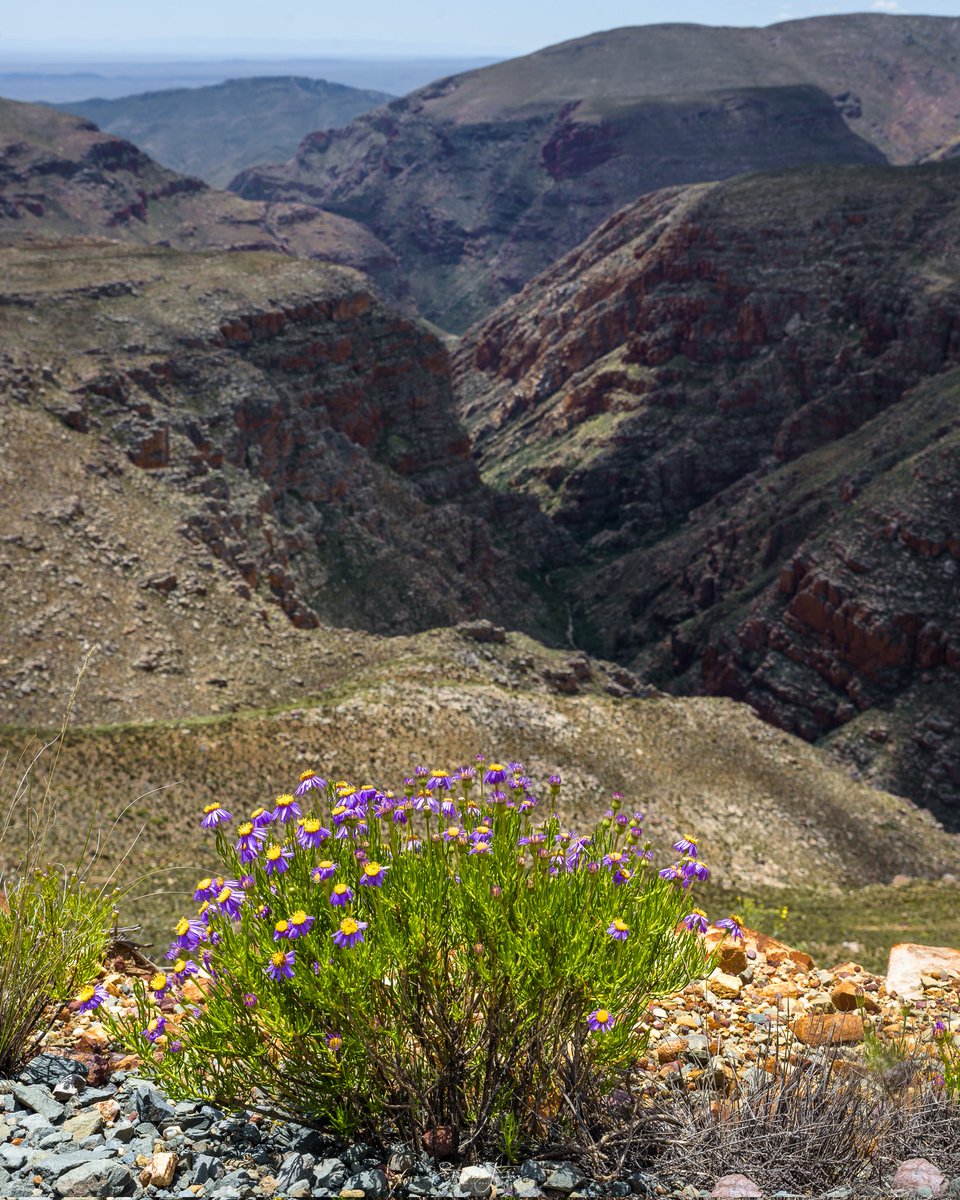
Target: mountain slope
[[61, 177], [741, 400], [215, 132], [479, 181]]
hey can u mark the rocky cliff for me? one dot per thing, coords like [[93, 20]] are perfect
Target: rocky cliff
[[61, 177], [479, 181], [288, 427], [741, 400]]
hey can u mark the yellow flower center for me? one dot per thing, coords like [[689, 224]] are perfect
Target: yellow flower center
[[279, 959], [182, 927], [372, 868], [283, 801], [311, 825], [335, 1043], [620, 926], [158, 982], [209, 808], [497, 767], [274, 852], [257, 812], [326, 865], [245, 830], [438, 773], [338, 809], [86, 993], [453, 831], [339, 889], [178, 966], [224, 895], [348, 926], [204, 884], [307, 775], [299, 917], [602, 1016], [282, 926]]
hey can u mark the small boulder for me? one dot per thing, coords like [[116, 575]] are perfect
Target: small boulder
[[733, 1187], [848, 996], [915, 1174], [724, 986], [829, 1029]]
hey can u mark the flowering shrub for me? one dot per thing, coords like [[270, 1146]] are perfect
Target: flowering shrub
[[444, 958]]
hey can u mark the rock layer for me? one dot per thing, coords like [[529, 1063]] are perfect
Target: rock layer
[[741, 400]]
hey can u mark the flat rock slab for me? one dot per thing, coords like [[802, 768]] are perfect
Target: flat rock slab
[[733, 1187], [829, 1029], [908, 961]]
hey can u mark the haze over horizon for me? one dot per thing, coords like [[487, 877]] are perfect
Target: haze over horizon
[[111, 29]]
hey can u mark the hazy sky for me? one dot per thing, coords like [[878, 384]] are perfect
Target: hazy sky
[[299, 27]]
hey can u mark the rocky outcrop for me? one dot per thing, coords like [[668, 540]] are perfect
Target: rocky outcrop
[[305, 433], [480, 181], [61, 177], [740, 399]]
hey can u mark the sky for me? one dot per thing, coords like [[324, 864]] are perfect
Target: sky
[[44, 28]]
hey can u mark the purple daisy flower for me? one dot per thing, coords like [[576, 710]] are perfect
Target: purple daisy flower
[[672, 872], [495, 773], [190, 932], [285, 808], [249, 840], [250, 1000], [350, 933], [323, 870], [615, 860], [261, 816], [691, 868], [159, 984], [440, 778], [334, 1042], [452, 833], [308, 780], [618, 930], [205, 890], [366, 794], [687, 846], [341, 895], [300, 924], [481, 848], [91, 997], [281, 930], [733, 925], [554, 782], [277, 858], [183, 968], [213, 814], [155, 1029], [622, 876], [601, 1019], [372, 874], [310, 833], [696, 921], [281, 964], [229, 900]]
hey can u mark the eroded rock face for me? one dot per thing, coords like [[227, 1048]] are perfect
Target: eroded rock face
[[740, 399], [307, 433]]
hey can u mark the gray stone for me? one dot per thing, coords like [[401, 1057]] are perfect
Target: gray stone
[[698, 1048], [68, 1088], [36, 1097], [295, 1168], [49, 1069], [373, 1184], [330, 1173], [52, 1166], [35, 1124], [401, 1161], [124, 1131], [424, 1185], [565, 1177], [94, 1096], [151, 1106], [531, 1169], [12, 1157], [101, 1178], [205, 1169]]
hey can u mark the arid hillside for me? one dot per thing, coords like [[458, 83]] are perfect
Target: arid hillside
[[479, 181], [741, 401]]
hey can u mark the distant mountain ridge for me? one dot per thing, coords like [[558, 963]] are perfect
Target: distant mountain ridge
[[60, 177], [215, 132], [479, 181]]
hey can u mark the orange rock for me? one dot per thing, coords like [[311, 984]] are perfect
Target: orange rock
[[777, 952], [784, 989], [727, 987], [109, 1110], [732, 959], [908, 961], [825, 1029], [670, 1049], [94, 1039], [847, 996]]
